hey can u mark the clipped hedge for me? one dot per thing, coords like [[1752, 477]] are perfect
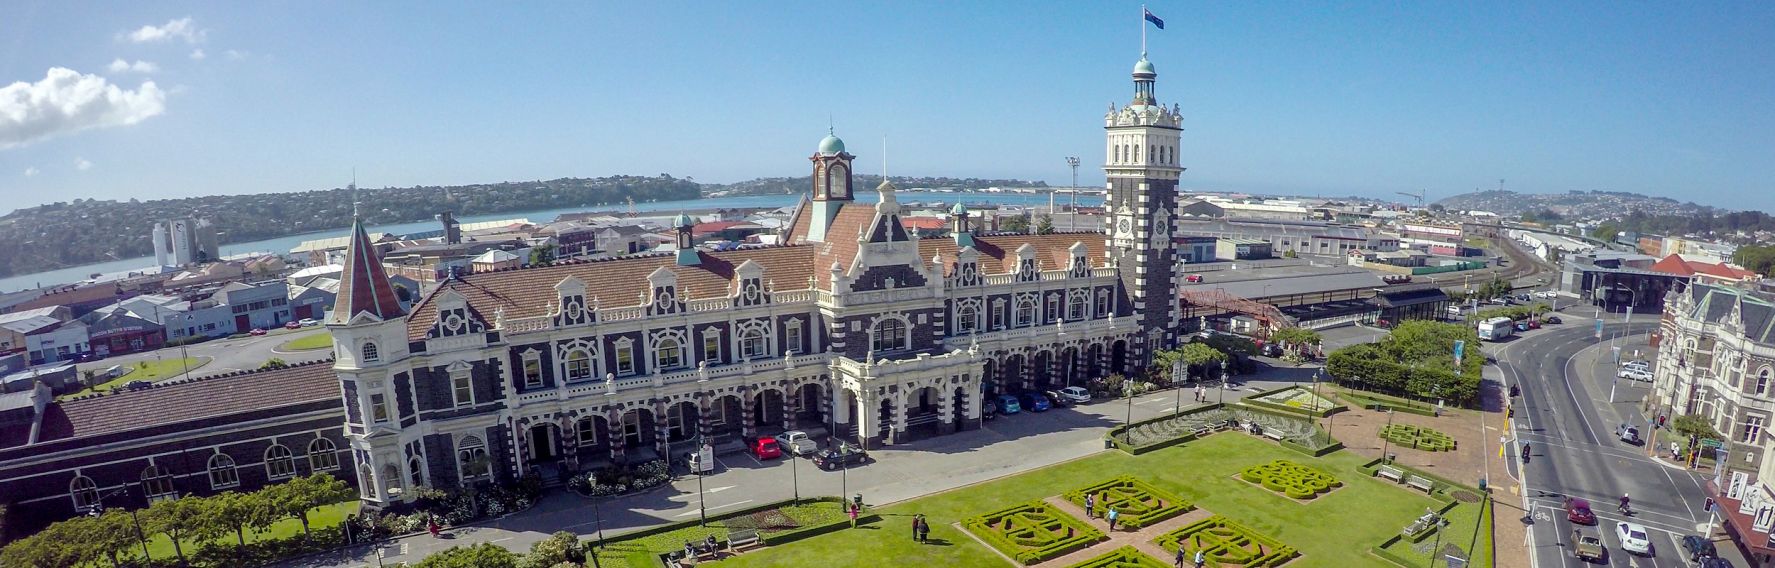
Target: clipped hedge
[[1137, 503], [1032, 532], [1291, 479], [1226, 542], [1253, 400], [1417, 437], [1372, 401], [1115, 435], [1124, 557], [1313, 452]]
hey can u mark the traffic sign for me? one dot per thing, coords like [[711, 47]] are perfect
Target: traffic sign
[[1710, 443]]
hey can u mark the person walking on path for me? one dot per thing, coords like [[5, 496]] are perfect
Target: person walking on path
[[1090, 502], [1201, 559], [1112, 516], [1178, 562]]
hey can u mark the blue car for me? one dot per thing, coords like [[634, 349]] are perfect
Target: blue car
[[1007, 404], [1034, 401]]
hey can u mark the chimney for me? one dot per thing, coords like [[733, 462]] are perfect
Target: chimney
[[452, 229]]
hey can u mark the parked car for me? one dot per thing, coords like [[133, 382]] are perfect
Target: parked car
[[1578, 511], [1552, 320], [1007, 404], [766, 448], [308, 322], [798, 443], [845, 455], [1628, 434], [1077, 395], [695, 461], [1193, 278], [1034, 401], [1588, 546], [1633, 538], [1640, 375], [1534, 324], [1713, 562], [256, 332], [1522, 326], [988, 410], [133, 385], [1698, 547], [1055, 400]]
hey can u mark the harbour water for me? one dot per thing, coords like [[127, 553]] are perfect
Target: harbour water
[[282, 245]]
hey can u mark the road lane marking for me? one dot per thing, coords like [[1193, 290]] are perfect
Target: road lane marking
[[713, 507], [720, 489]]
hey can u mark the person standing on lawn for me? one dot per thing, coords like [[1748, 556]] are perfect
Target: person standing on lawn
[[915, 519], [924, 530], [853, 510]]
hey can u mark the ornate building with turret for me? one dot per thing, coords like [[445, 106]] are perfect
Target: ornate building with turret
[[855, 326]]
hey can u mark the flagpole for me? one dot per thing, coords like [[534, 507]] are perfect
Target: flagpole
[[1143, 30]]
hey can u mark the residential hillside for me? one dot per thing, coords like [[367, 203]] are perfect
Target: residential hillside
[[862, 182], [1572, 204]]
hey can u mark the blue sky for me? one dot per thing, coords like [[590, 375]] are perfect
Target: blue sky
[[1364, 98]]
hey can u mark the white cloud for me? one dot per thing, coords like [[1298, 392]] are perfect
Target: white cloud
[[181, 28], [120, 66], [82, 164], [197, 54], [67, 101], [234, 55], [31, 171]]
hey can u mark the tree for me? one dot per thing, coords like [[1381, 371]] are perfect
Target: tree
[[1756, 258], [1694, 426], [1199, 356], [273, 363], [1290, 254], [1295, 338], [113, 532], [558, 548], [1606, 232], [1014, 224], [1044, 225], [484, 555], [176, 518], [296, 497], [238, 512], [402, 293], [542, 255]]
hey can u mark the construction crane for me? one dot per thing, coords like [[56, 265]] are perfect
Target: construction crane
[[1419, 196]]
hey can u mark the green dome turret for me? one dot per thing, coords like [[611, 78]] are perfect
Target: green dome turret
[[831, 145]]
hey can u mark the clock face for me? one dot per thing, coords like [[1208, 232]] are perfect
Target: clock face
[[1124, 226]]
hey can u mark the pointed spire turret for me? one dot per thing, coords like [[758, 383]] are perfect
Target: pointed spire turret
[[364, 285]]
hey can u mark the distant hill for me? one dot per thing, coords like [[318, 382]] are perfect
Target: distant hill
[[85, 231], [1572, 204]]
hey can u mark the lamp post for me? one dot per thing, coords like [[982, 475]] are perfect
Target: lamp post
[[1128, 424], [1223, 377], [598, 520], [99, 509], [1385, 441], [1072, 212], [702, 511], [795, 477], [1177, 369]]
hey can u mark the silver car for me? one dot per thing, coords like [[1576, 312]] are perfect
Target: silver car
[[798, 443]]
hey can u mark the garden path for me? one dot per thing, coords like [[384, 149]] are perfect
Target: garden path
[[1141, 540]]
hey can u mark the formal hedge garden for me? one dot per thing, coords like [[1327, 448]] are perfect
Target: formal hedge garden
[[1032, 532], [1124, 557], [1291, 479], [1406, 435], [1137, 503], [1226, 543]]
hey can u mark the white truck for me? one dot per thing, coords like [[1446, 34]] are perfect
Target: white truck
[[1496, 329]]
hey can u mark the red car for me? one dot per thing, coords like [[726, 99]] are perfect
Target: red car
[[293, 325], [766, 448], [1578, 511], [256, 331]]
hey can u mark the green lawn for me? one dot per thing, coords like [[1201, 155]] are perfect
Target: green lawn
[[615, 553], [321, 340], [147, 371], [1334, 530], [331, 515]]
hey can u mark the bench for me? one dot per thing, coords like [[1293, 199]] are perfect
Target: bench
[[1204, 431], [1273, 434], [1417, 482], [1389, 472], [743, 539]]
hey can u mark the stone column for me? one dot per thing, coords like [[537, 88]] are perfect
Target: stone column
[[661, 439], [946, 408], [705, 411], [868, 424], [748, 409], [616, 440], [897, 426], [791, 406]]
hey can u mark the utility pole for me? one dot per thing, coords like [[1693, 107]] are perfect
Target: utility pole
[[1073, 201]]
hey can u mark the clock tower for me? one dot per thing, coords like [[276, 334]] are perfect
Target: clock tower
[[1140, 161]]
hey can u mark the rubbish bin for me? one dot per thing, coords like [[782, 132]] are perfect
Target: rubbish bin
[[1109, 444]]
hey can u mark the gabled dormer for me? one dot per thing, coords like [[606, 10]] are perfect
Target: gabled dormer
[[1026, 267], [570, 295], [1078, 263], [662, 293], [455, 318], [967, 268], [748, 287]]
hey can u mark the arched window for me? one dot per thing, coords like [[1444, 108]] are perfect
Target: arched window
[[668, 353], [157, 483], [222, 473], [890, 334], [417, 466], [471, 458], [966, 318], [753, 343], [1763, 381], [85, 493], [391, 474], [1075, 307], [1026, 312], [371, 354], [579, 365], [323, 455], [279, 462], [366, 483]]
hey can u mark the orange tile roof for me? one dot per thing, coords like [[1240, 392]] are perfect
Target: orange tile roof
[[927, 223], [840, 246], [181, 401], [1674, 264]]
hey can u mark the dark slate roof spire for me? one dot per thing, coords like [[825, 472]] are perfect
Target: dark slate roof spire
[[364, 285]]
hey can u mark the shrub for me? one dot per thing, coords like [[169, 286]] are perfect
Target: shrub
[[1418, 437], [1032, 532], [1137, 503], [1225, 542], [1291, 479]]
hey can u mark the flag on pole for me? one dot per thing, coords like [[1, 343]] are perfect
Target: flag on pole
[[1154, 19]]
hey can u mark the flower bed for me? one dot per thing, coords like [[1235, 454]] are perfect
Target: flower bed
[[1032, 532], [1227, 544], [1406, 435], [450, 508], [1137, 503], [1124, 557], [1291, 479], [1295, 399], [615, 480], [776, 523]]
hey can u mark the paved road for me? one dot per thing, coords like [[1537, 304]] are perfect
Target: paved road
[[1566, 416], [225, 355], [1006, 446]]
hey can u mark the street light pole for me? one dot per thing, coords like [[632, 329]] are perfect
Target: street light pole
[[1175, 367], [1072, 212], [1223, 377], [597, 519], [1386, 442], [701, 510], [1128, 424], [795, 477]]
